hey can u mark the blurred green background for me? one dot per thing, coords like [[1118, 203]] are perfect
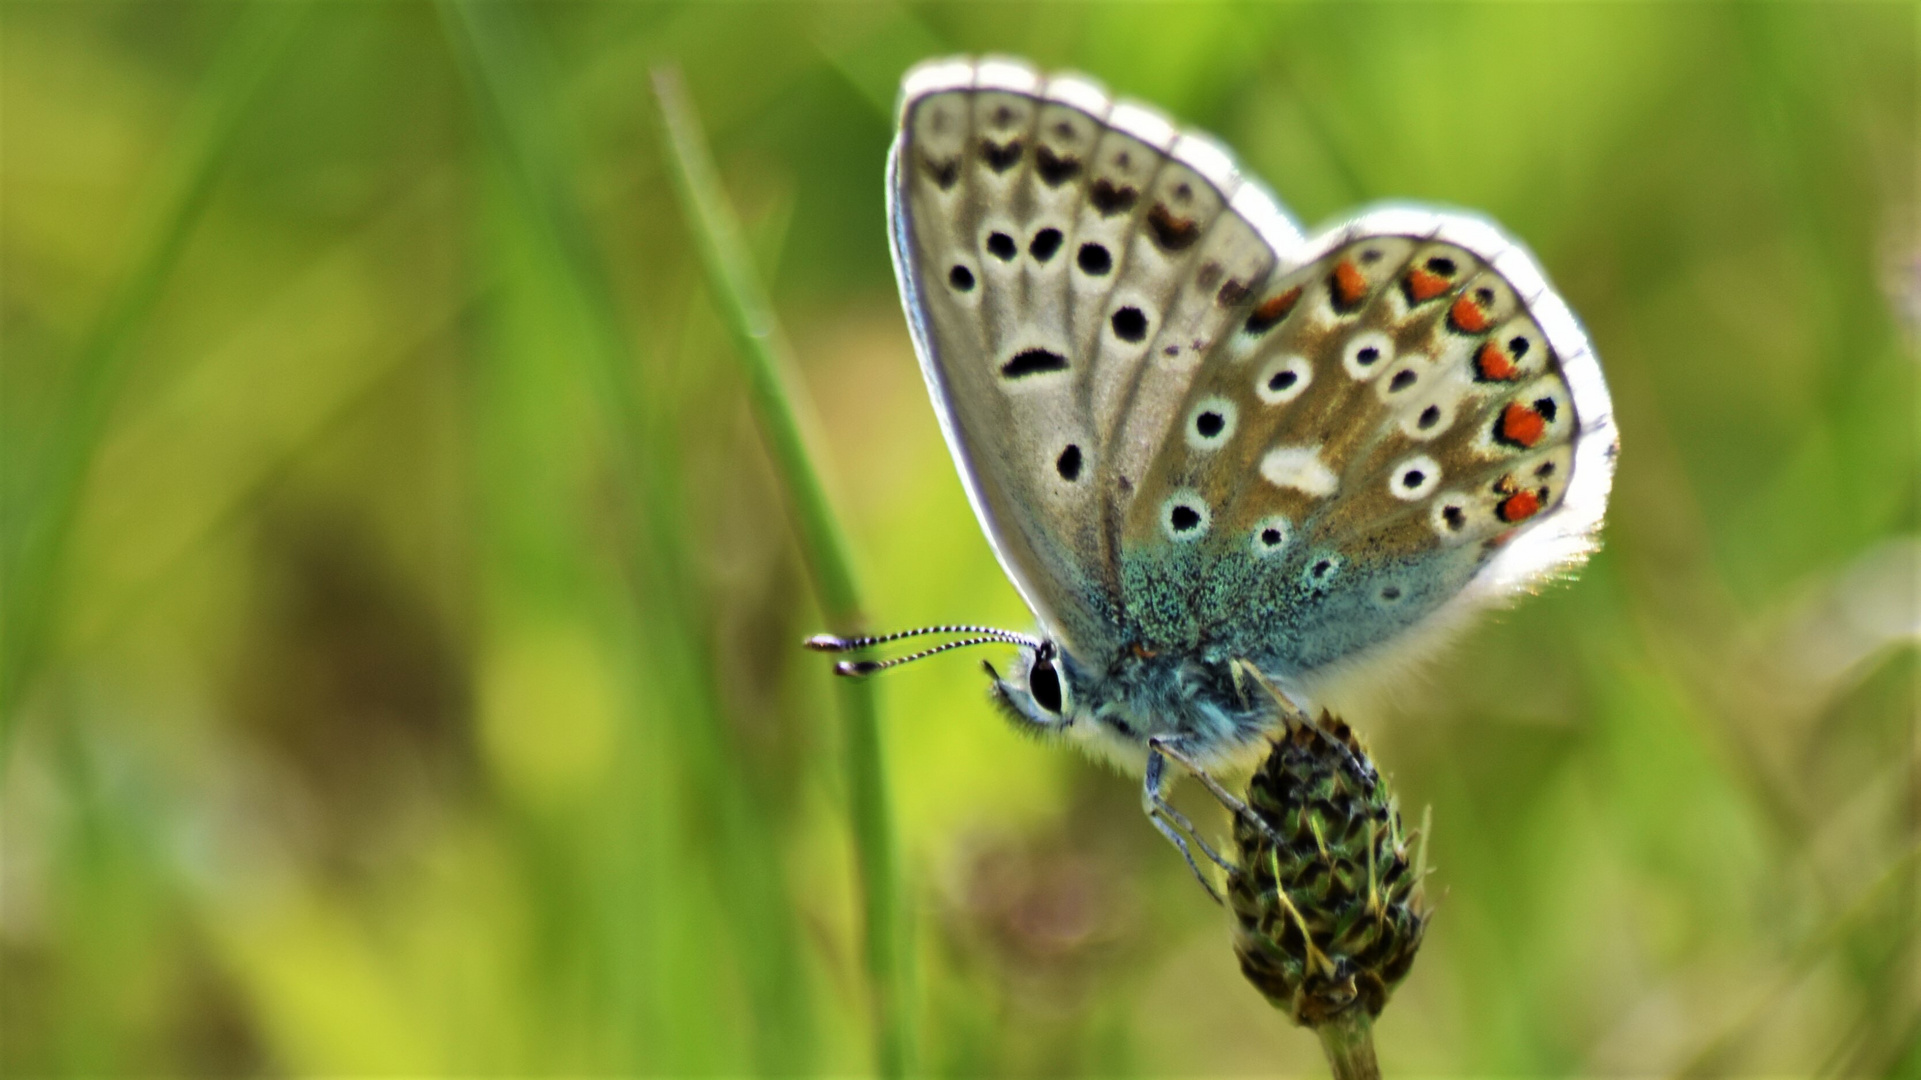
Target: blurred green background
[[392, 687]]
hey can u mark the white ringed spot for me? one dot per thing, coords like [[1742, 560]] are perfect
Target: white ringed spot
[[1210, 423], [1271, 534], [1184, 516], [1283, 379], [1414, 478], [1318, 573], [1450, 517], [1428, 421], [1300, 468], [1367, 355]]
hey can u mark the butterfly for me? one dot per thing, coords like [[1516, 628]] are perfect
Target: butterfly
[[1229, 467]]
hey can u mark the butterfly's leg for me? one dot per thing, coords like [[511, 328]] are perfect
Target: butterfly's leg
[[1226, 798], [1173, 824]]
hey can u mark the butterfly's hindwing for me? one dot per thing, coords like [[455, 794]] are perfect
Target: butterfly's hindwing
[[1388, 417]]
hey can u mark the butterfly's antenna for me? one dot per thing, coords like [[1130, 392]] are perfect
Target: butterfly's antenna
[[835, 643], [868, 667], [980, 635]]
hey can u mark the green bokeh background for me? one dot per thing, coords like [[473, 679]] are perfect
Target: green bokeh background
[[347, 733]]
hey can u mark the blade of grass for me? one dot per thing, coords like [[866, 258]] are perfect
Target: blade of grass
[[766, 360], [519, 111], [37, 530], [1713, 1057]]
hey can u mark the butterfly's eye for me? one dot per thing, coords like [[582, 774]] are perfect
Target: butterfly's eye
[[1044, 683]]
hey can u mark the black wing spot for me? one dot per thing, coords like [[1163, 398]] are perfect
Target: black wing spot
[[1401, 380], [1430, 416], [1281, 380], [1412, 478], [1001, 158], [1045, 244], [1391, 592], [1055, 170], [943, 172], [1170, 232], [1183, 518], [1454, 516], [1111, 200], [1547, 408], [1271, 537], [1069, 463], [1371, 255], [1518, 346], [1209, 424], [1233, 291], [1033, 362], [961, 278], [1094, 259], [1001, 246], [1485, 296], [1442, 265], [1367, 356], [1546, 469], [1130, 324]]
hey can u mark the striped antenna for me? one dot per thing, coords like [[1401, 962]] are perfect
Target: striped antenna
[[855, 668], [978, 635], [835, 643]]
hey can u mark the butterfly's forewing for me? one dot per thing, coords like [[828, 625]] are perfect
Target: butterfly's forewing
[[1184, 426], [1047, 242], [1409, 422]]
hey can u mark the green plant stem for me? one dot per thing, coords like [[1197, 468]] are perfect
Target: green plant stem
[[1348, 1042], [519, 109], [766, 360], [38, 528]]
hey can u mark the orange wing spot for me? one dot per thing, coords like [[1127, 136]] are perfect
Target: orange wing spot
[[1495, 364], [1467, 316], [1519, 507], [1424, 285], [1273, 310], [1522, 425], [1349, 286]]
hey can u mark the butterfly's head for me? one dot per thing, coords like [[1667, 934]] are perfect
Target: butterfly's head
[[1038, 695]]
